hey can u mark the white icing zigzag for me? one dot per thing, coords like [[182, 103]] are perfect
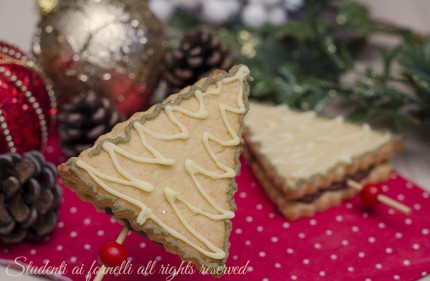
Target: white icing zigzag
[[192, 168]]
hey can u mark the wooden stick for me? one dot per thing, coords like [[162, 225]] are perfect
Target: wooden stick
[[122, 235], [356, 185], [120, 239], [394, 204], [383, 199], [100, 273]]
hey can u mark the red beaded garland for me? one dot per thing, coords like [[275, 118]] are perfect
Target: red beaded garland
[[27, 105], [369, 194], [112, 254]]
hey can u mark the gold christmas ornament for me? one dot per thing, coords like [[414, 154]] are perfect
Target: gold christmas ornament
[[113, 47]]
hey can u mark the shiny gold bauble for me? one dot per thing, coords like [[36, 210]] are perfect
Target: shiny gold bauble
[[113, 47]]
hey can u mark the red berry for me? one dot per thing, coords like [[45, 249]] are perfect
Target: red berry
[[369, 194], [112, 254]]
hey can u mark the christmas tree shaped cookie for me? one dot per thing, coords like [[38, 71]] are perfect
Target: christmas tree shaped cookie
[[169, 172], [304, 161]]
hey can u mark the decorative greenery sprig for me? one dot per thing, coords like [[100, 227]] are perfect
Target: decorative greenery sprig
[[302, 61]]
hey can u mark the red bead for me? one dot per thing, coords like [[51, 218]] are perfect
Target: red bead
[[369, 194], [112, 254]]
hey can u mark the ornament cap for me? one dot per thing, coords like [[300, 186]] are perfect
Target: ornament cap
[[46, 6]]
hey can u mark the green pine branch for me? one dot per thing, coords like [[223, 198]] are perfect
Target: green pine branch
[[300, 63]]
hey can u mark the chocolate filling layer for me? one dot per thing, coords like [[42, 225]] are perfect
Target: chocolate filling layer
[[310, 198]]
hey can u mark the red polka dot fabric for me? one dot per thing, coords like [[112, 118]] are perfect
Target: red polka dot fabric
[[349, 242]]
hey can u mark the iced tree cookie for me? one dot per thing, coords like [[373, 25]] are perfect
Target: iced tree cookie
[[303, 161], [169, 172]]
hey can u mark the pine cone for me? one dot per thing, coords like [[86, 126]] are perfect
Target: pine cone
[[198, 53], [29, 197], [84, 120]]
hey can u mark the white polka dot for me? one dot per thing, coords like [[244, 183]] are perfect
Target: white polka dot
[[317, 246], [378, 266], [389, 250], [391, 211], [365, 215], [333, 257], [73, 234], [142, 245], [313, 222], [385, 188], [262, 254], [426, 195], [235, 257], [259, 207], [238, 230], [322, 273], [265, 279], [350, 268], [278, 265], [73, 210], [381, 225], [328, 232], [372, 240], [425, 231], [73, 259], [260, 228], [302, 235], [349, 205], [87, 246], [306, 261], [355, 228], [249, 219], [49, 149], [112, 220], [285, 225], [408, 221], [250, 268], [158, 258], [416, 246], [247, 242], [339, 218], [401, 197], [398, 235], [409, 185], [87, 221], [417, 206], [361, 254], [367, 279], [290, 251], [293, 277], [406, 263], [60, 224], [274, 239], [33, 251], [424, 273], [253, 184], [242, 194], [100, 233], [45, 261], [396, 277], [344, 242], [59, 248], [271, 215]]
